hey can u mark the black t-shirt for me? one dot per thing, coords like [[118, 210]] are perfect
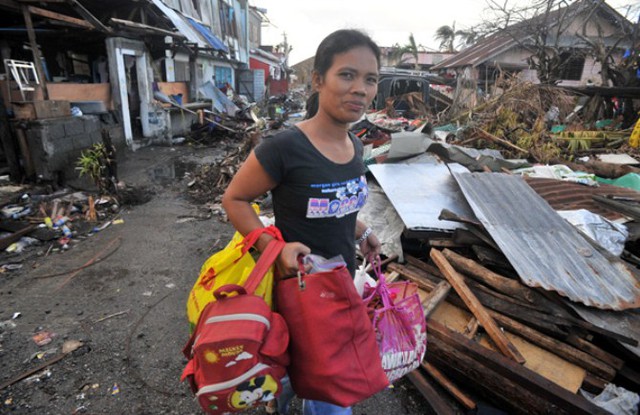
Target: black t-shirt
[[316, 200]]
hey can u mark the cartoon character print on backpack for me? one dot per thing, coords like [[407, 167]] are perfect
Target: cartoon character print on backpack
[[261, 388]]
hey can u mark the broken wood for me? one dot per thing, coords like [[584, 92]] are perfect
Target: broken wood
[[567, 352], [595, 351], [500, 141], [447, 384], [518, 389], [496, 281], [14, 237], [472, 328], [60, 17], [433, 398], [478, 310], [68, 347], [435, 297]]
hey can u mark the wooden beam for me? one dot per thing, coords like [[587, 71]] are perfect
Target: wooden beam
[[435, 297], [472, 302], [565, 351], [86, 14], [149, 29], [60, 17], [515, 387], [496, 281], [434, 400], [447, 384], [35, 50]]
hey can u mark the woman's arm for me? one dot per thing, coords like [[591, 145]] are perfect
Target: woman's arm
[[252, 181], [369, 246]]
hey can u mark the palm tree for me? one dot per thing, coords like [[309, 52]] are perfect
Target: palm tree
[[467, 37], [411, 48], [447, 36]]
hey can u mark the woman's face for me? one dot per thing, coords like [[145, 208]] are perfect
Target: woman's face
[[348, 87]]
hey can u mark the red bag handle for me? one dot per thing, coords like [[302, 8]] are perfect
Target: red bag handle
[[267, 257]]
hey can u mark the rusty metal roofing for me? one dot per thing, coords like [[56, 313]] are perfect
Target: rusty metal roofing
[[562, 195], [545, 250], [478, 53]]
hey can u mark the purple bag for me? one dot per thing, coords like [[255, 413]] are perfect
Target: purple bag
[[398, 320]]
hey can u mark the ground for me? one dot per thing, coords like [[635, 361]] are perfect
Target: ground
[[127, 309]]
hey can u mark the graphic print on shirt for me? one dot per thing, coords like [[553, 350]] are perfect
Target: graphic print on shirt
[[341, 199]]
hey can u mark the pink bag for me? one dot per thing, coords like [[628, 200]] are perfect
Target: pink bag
[[398, 320]]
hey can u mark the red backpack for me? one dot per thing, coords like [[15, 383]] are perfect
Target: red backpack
[[238, 350]]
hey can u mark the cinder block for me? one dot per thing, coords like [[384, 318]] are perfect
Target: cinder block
[[55, 130], [73, 126]]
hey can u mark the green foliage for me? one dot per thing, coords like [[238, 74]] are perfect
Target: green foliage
[[93, 163], [576, 144]]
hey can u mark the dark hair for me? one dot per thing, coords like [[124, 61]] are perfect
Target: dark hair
[[338, 42]]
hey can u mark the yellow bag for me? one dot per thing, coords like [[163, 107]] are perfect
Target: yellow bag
[[232, 265]]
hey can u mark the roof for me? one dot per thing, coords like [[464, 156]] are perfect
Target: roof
[[192, 30], [544, 249], [495, 44]]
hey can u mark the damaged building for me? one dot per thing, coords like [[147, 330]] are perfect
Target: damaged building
[[137, 69]]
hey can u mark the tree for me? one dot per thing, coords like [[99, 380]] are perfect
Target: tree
[[447, 36], [410, 48], [546, 29]]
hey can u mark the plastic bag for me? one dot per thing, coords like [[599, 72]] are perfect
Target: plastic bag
[[362, 279], [399, 323], [232, 265]]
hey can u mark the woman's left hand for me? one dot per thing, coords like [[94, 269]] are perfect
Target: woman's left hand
[[371, 247]]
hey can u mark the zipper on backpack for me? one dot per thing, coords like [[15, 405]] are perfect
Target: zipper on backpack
[[216, 387]]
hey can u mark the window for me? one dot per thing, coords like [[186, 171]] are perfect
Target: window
[[223, 76], [572, 66]]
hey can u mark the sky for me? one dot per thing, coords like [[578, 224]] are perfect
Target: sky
[[307, 22]]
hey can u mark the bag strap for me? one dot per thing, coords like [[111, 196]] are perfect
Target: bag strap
[[253, 236], [267, 257]]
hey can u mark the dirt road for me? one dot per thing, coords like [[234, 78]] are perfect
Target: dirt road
[[128, 309]]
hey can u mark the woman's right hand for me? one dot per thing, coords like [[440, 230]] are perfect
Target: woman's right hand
[[288, 259]]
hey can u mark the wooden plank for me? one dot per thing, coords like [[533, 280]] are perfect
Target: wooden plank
[[496, 281], [554, 368], [35, 50], [146, 28], [514, 387], [447, 384], [88, 16], [59, 16], [567, 352], [487, 322], [435, 297], [434, 400], [595, 351]]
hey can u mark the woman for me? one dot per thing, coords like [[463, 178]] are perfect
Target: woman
[[315, 170]]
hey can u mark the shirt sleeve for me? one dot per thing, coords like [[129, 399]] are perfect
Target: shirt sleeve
[[270, 157]]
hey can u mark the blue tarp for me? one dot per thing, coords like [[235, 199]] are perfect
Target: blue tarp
[[210, 37]]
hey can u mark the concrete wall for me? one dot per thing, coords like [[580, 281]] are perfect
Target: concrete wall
[[55, 144]]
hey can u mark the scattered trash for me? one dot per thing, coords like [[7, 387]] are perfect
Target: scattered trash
[[16, 315], [115, 389], [43, 338]]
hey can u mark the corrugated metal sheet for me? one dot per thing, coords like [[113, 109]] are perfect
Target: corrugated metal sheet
[[563, 195], [182, 24], [626, 323], [419, 192], [478, 53], [545, 250]]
